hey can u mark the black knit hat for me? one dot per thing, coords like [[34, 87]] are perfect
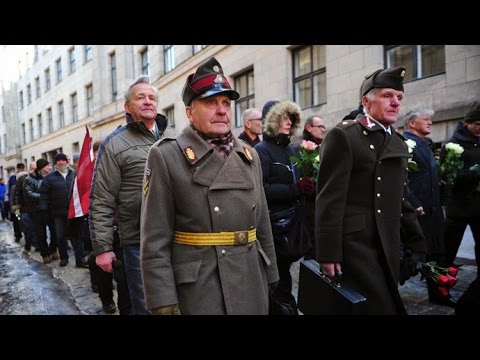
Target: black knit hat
[[473, 112], [41, 163], [60, 156], [389, 78], [207, 81], [266, 108]]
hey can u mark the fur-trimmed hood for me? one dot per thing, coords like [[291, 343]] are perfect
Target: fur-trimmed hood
[[276, 114]]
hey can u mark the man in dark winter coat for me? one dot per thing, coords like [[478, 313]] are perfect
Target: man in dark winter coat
[[424, 193], [463, 207], [360, 189], [252, 126], [198, 255]]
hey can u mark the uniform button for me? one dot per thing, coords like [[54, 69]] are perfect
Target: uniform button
[[401, 215], [379, 211], [216, 209], [224, 252], [250, 246], [403, 199], [379, 178], [365, 133], [372, 147], [378, 195], [379, 162], [404, 184], [254, 206]]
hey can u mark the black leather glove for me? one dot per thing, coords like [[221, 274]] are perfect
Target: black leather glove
[[417, 260], [306, 185]]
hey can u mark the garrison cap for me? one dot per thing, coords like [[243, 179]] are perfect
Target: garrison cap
[[473, 113], [207, 81], [384, 78]]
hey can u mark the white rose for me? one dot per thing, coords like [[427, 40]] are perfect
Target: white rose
[[411, 145]]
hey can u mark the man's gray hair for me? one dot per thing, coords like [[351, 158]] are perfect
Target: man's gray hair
[[142, 79], [247, 114], [416, 113]]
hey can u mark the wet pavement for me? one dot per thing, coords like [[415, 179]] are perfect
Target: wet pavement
[[29, 287]]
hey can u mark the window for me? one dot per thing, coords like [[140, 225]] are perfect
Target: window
[[40, 125], [30, 128], [50, 119], [197, 48], [71, 60], [113, 74], [419, 60], [20, 99], [23, 135], [29, 93], [170, 114], [73, 98], [244, 86], [145, 62], [37, 87], [58, 65], [169, 57], [309, 76], [47, 79], [61, 114], [88, 52], [89, 99], [35, 53], [76, 147]]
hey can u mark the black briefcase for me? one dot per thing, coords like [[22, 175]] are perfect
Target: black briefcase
[[318, 295]]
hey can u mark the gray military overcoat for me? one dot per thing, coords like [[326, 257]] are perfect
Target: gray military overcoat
[[189, 187]]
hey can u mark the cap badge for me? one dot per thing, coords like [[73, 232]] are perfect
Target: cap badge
[[216, 68], [190, 154], [402, 74], [218, 79], [248, 153]]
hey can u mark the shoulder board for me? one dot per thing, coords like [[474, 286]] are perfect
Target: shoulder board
[[164, 140], [345, 124]]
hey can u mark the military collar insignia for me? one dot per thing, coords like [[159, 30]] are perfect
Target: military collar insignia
[[190, 154], [369, 124], [248, 154]]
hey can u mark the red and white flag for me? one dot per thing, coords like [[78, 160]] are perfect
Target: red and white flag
[[80, 201]]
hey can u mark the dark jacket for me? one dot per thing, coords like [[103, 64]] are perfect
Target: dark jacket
[[464, 197], [243, 136], [31, 189], [54, 193], [424, 191], [360, 189]]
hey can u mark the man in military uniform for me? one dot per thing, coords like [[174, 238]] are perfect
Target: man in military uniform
[[198, 254], [360, 203]]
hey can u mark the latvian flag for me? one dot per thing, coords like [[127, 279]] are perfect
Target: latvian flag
[[83, 180]]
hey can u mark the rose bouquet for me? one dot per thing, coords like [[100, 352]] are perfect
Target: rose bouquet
[[308, 159], [445, 278], [412, 165], [452, 166]]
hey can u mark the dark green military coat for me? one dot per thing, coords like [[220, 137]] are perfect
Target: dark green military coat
[[189, 187], [360, 202]]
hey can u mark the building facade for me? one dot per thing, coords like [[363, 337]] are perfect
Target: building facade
[[68, 87]]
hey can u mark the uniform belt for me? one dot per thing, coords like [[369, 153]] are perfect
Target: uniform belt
[[219, 238]]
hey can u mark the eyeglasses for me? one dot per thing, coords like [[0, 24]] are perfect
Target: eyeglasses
[[255, 119], [319, 126]]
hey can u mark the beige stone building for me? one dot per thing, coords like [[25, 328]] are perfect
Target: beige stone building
[[65, 88]]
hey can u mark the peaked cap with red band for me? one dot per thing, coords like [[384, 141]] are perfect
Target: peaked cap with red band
[[207, 81]]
